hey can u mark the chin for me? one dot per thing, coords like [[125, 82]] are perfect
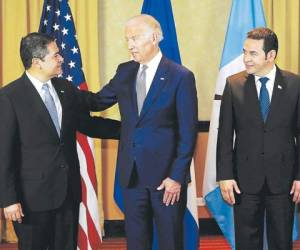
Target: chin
[[250, 71], [136, 59]]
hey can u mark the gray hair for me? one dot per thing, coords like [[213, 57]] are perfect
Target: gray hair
[[150, 22]]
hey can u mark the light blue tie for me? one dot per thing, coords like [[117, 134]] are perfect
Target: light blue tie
[[49, 102], [264, 99]]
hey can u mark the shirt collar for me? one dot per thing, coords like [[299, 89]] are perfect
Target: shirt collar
[[271, 75], [37, 83], [153, 64]]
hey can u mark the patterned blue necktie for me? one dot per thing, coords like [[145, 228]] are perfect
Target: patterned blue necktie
[[264, 99], [49, 103]]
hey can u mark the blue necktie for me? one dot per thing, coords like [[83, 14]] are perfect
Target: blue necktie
[[49, 103], [264, 99]]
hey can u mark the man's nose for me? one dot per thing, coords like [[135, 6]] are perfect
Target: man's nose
[[61, 59], [247, 58], [130, 44]]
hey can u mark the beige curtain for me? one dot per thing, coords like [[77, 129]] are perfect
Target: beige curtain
[[18, 18], [283, 17]]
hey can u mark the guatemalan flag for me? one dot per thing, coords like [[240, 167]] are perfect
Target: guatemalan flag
[[245, 15], [162, 11], [57, 21]]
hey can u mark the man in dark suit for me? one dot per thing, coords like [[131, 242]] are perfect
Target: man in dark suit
[[39, 169], [258, 146], [158, 106]]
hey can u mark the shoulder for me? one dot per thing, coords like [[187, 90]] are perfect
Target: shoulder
[[129, 65], [13, 86], [289, 76], [62, 84], [175, 67], [238, 78]]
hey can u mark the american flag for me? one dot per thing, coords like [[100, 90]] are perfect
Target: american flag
[[57, 21]]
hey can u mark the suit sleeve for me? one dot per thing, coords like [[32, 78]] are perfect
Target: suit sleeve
[[8, 169], [225, 137], [98, 127], [187, 116], [102, 100], [93, 126]]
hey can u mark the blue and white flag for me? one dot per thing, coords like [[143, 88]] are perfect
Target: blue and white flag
[[245, 15], [162, 12]]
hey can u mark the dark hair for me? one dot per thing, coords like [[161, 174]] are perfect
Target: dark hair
[[34, 45], [269, 37]]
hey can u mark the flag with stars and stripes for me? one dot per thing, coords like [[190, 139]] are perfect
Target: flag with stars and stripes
[[57, 21]]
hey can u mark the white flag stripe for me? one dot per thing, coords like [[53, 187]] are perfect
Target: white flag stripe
[[192, 194], [91, 144], [92, 201], [233, 67], [83, 222], [209, 181]]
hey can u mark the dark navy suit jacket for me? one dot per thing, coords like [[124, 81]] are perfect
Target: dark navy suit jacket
[[160, 141]]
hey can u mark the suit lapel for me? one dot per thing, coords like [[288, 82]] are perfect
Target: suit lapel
[[60, 93], [37, 104], [159, 81], [278, 90], [252, 98], [132, 81]]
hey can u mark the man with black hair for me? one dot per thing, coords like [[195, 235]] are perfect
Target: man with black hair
[[39, 169], [258, 146]]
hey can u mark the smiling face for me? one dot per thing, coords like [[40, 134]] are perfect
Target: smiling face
[[142, 40], [51, 63], [256, 61]]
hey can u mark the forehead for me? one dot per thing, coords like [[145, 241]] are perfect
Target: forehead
[[135, 28], [52, 48], [253, 44]]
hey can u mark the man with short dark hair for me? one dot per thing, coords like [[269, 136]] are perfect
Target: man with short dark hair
[[258, 146], [39, 170]]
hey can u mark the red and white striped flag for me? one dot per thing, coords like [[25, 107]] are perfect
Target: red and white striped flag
[[57, 21]]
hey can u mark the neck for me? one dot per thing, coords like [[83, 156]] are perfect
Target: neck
[[36, 73], [155, 52], [265, 71]]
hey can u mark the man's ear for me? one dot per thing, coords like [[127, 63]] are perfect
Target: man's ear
[[271, 55], [35, 62], [155, 38]]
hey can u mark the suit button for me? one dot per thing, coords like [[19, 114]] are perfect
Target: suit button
[[262, 153], [63, 166], [133, 144]]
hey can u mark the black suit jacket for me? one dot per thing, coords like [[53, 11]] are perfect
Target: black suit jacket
[[37, 167], [260, 151]]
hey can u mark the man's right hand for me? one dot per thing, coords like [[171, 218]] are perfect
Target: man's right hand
[[227, 187], [14, 212]]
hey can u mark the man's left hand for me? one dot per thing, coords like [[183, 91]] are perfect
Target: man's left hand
[[172, 191], [296, 191]]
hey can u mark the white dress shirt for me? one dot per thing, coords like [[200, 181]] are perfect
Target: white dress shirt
[[151, 70], [270, 83], [38, 86]]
